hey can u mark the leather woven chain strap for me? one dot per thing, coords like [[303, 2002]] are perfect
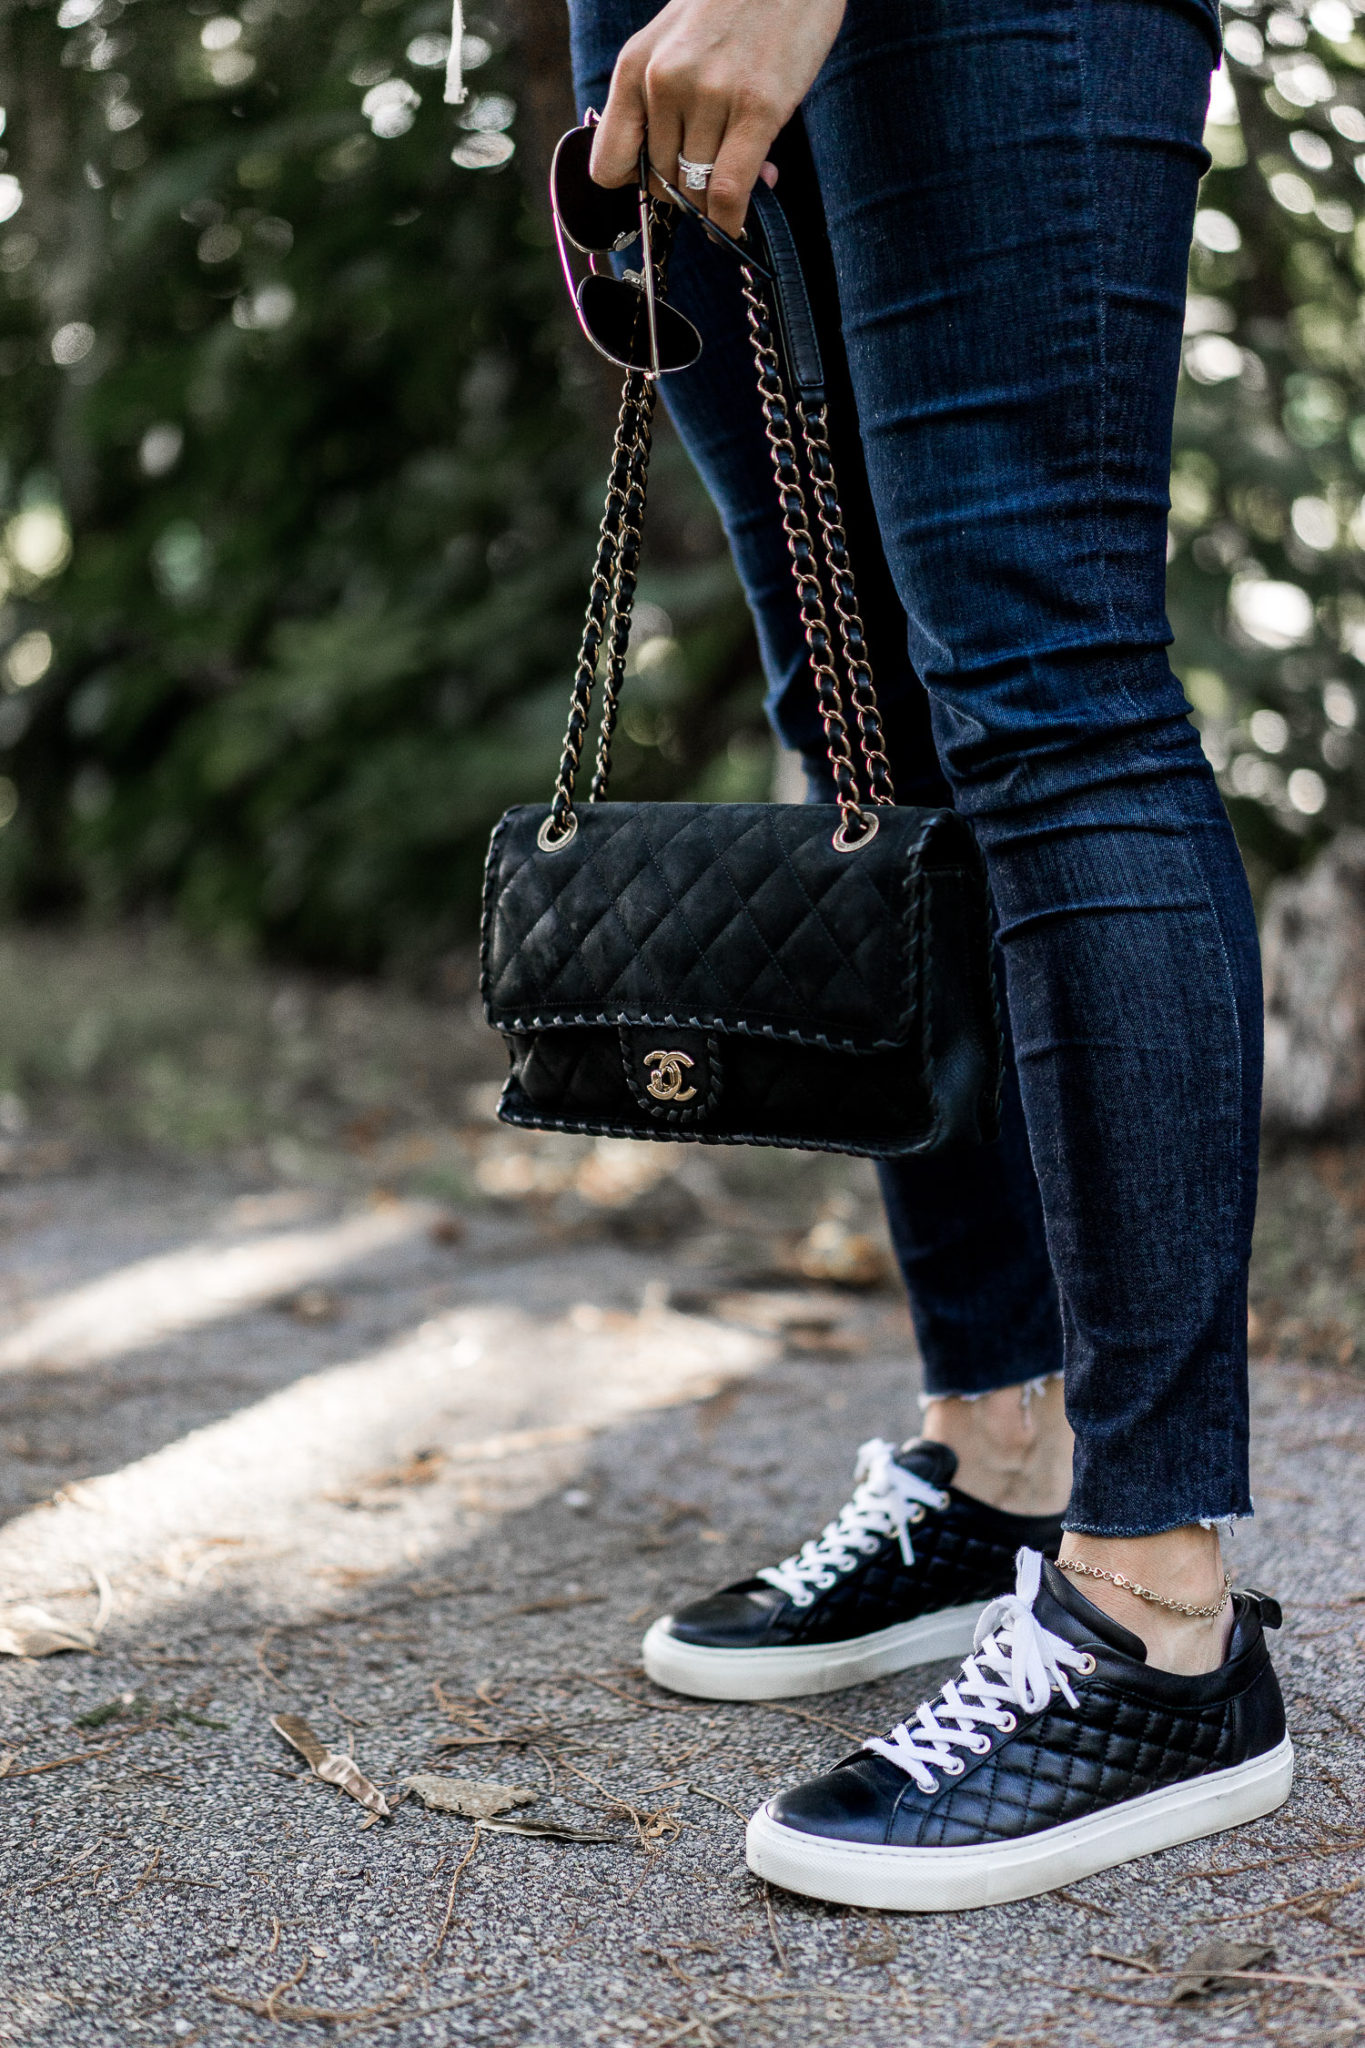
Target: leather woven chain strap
[[615, 570]]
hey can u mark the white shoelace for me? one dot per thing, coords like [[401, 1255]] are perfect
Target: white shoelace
[[886, 1500], [1016, 1663]]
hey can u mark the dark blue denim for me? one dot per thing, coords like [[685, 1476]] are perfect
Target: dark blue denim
[[1007, 189]]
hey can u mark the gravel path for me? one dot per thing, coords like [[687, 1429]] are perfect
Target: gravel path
[[422, 1475]]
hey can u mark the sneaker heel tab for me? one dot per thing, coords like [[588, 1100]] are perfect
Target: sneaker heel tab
[[1266, 1605]]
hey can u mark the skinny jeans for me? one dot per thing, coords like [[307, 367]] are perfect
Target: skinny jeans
[[994, 200]]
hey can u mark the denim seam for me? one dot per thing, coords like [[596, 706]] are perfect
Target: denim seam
[[1086, 125], [1230, 979]]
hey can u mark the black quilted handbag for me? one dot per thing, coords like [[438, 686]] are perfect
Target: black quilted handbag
[[813, 975]]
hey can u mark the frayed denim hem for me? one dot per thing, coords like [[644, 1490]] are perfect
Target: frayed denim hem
[[1037, 1384], [1226, 1525]]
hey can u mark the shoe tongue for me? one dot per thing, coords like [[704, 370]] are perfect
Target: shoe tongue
[[934, 1463], [1063, 1608]]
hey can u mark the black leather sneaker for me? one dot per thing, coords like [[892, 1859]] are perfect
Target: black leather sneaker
[[1055, 1753], [898, 1578]]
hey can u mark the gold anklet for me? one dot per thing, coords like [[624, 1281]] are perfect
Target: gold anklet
[[1094, 1571]]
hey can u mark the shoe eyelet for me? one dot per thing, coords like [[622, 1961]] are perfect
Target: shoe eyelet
[[953, 1765], [1086, 1665], [802, 1599], [982, 1745], [1008, 1724], [917, 1513]]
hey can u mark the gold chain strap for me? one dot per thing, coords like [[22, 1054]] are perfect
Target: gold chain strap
[[856, 826], [636, 398], [629, 542], [616, 569], [824, 490]]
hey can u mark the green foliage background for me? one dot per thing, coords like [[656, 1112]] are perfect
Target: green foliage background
[[303, 398], [300, 468]]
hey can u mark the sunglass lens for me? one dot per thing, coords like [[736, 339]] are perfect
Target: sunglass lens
[[616, 319], [594, 219]]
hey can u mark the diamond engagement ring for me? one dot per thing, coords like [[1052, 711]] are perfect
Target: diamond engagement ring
[[694, 176]]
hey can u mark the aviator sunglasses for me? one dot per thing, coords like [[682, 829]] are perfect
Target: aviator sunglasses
[[624, 317]]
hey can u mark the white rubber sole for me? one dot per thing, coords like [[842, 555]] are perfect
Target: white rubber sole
[[892, 1880], [781, 1674]]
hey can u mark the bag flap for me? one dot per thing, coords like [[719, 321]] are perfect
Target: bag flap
[[729, 917]]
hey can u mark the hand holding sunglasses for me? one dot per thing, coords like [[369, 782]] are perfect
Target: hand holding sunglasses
[[713, 82], [624, 318]]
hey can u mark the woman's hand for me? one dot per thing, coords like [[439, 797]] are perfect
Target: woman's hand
[[713, 80]]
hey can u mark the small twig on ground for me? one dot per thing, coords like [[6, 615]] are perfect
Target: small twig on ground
[[86, 1756], [450, 1902], [1310, 1904], [1342, 1848], [651, 1828], [312, 2015], [342, 1714], [553, 1603], [1086, 1905], [772, 1928], [66, 1875], [680, 2033], [820, 1720], [148, 1873], [633, 1699], [700, 1792], [266, 1668], [272, 1998]]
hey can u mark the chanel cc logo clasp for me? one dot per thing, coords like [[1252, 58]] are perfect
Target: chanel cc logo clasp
[[665, 1082]]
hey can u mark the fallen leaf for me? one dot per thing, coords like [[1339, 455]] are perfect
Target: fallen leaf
[[878, 1945], [771, 1310], [1204, 1969], [27, 1631], [832, 1252], [313, 1305], [549, 1831], [324, 1763], [474, 1798]]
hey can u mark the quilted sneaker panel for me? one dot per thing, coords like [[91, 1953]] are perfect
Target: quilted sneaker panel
[[966, 1553], [962, 1554], [1134, 1730]]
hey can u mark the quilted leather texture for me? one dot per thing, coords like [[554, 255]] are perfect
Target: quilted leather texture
[[1134, 1730], [737, 915], [845, 999], [963, 1554]]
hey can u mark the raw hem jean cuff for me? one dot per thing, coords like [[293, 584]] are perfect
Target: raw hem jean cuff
[[1225, 1524], [1036, 1383]]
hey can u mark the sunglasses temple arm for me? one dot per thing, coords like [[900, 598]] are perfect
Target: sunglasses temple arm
[[709, 228], [647, 266]]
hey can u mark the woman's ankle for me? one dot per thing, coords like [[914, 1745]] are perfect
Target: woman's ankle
[[1013, 1445], [1184, 1565]]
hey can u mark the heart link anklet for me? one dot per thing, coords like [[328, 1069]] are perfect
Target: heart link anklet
[[1094, 1571]]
